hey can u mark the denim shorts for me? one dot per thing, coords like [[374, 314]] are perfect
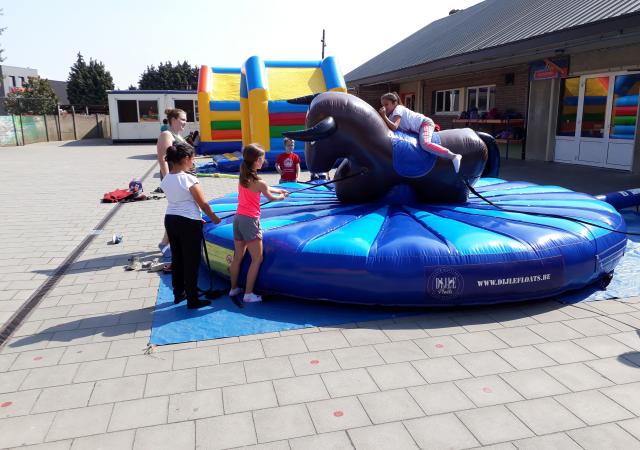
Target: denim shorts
[[246, 228]]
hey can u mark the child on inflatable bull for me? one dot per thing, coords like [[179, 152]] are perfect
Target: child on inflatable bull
[[397, 116]]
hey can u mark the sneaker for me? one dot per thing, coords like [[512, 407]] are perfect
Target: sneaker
[[195, 304], [235, 291], [251, 298], [456, 163], [156, 266]]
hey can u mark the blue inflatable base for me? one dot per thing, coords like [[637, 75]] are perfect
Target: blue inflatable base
[[215, 148], [626, 279], [174, 324]]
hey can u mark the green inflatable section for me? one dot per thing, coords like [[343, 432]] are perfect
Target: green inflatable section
[[624, 120], [277, 130], [225, 125]]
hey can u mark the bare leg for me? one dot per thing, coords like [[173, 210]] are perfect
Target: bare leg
[[240, 247], [255, 250]]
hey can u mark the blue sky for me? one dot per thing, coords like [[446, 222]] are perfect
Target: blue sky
[[127, 36]]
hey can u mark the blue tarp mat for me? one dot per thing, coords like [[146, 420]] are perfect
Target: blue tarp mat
[[175, 323]]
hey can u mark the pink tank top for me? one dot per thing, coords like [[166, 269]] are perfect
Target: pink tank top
[[248, 202]]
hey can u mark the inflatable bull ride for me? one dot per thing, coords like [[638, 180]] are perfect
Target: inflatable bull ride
[[400, 227]]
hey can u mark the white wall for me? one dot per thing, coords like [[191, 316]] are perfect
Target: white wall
[[143, 130]]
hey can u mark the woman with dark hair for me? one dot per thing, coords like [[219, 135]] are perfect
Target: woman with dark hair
[[183, 222]]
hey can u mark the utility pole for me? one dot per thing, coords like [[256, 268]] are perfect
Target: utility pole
[[324, 43]]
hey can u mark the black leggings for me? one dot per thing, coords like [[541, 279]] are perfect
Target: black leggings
[[185, 238]]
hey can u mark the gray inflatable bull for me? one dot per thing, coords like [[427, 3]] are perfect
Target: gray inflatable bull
[[342, 126]]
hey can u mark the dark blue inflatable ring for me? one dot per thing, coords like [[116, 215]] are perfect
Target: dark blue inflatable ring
[[420, 254]]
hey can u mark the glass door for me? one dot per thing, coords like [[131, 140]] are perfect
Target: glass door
[[623, 125], [566, 141], [597, 120], [592, 119]]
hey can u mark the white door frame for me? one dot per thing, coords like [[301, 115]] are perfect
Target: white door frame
[[577, 139]]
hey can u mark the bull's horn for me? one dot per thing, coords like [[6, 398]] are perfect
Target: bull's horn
[[306, 100], [323, 129]]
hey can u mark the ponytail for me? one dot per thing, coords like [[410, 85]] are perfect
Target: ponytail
[[177, 152], [250, 155], [173, 113]]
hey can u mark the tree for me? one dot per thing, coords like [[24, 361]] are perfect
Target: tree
[[167, 76], [36, 96], [88, 83]]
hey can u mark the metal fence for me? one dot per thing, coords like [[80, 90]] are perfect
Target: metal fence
[[30, 121]]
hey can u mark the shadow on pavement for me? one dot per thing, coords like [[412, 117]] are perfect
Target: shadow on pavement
[[96, 142], [425, 322], [103, 262], [148, 157]]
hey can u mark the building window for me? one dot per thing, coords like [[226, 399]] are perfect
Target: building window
[[127, 111], [22, 81], [187, 107], [13, 81], [483, 98], [148, 110], [448, 101]]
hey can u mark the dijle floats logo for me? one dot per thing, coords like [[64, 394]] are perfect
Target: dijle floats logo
[[445, 283]]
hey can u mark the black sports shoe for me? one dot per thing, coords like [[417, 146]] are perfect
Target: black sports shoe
[[179, 298], [195, 304]]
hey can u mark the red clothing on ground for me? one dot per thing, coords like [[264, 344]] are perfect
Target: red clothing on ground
[[287, 163]]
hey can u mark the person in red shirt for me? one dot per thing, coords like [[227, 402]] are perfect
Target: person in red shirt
[[288, 163]]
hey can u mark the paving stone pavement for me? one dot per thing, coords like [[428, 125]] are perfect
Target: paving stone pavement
[[75, 375]]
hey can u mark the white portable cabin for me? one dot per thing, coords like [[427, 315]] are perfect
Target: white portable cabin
[[136, 116]]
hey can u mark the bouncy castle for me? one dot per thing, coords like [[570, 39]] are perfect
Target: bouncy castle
[[241, 106], [219, 107]]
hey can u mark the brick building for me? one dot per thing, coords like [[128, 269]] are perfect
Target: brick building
[[554, 81]]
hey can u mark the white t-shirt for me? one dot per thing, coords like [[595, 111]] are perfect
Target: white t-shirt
[[181, 203], [409, 120]]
